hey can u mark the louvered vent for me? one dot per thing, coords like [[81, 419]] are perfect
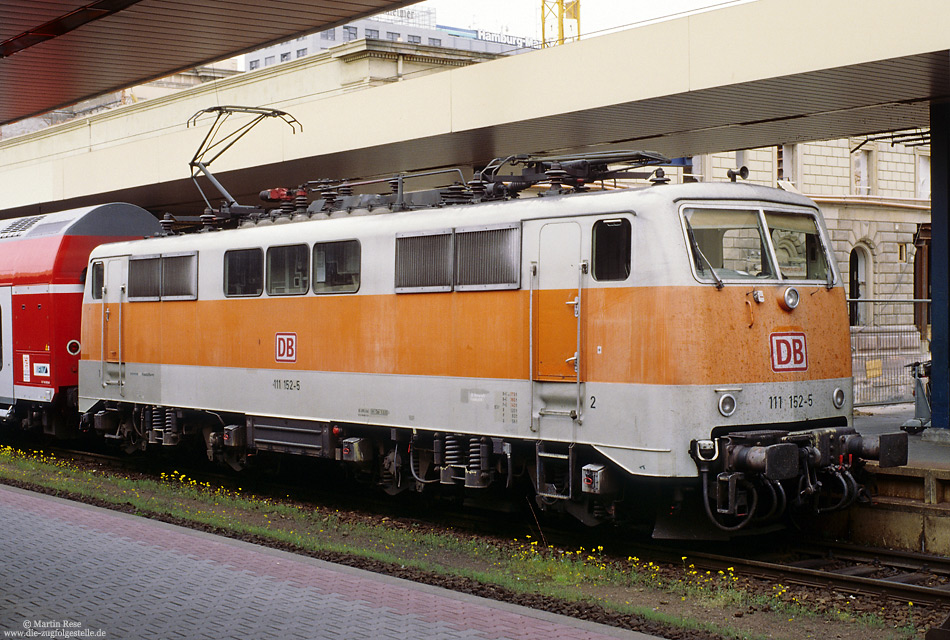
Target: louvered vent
[[424, 262], [487, 258], [145, 279]]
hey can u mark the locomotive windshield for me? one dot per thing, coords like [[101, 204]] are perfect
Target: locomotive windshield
[[755, 244]]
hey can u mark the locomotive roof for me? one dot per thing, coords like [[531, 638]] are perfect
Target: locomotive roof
[[642, 201]]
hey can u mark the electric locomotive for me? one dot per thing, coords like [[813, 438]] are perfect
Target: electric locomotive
[[672, 354]]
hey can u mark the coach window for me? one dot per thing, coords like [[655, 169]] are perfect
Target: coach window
[[98, 280], [145, 278], [243, 272], [611, 249], [288, 270], [336, 267]]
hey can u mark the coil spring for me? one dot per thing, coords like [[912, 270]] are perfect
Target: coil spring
[[474, 454], [454, 454], [171, 422], [158, 418]]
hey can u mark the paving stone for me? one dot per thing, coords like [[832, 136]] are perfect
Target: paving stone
[[136, 578]]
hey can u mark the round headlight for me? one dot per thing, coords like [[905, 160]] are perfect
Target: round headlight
[[790, 298], [727, 404], [838, 397]]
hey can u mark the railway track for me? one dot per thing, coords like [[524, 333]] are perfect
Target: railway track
[[900, 576]]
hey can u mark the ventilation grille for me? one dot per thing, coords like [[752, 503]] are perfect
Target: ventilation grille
[[424, 263], [19, 226], [487, 259]]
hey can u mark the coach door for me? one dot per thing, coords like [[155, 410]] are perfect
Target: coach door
[[6, 348], [113, 299], [556, 276]]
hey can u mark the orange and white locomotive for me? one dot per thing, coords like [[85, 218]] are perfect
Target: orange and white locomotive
[[672, 349]]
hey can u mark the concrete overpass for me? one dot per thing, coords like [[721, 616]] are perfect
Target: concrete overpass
[[751, 75], [56, 53]]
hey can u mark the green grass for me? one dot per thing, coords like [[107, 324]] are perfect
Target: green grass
[[523, 566]]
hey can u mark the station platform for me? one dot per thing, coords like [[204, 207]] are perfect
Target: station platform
[[926, 449], [69, 567], [910, 505]]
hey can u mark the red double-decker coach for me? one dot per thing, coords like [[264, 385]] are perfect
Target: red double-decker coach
[[43, 262]]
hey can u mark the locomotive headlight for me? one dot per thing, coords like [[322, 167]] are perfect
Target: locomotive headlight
[[790, 298], [838, 397], [727, 404]]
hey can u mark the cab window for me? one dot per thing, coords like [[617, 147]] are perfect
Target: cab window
[[611, 249], [98, 280]]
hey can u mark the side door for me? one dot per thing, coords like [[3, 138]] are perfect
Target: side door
[[114, 297], [6, 345], [557, 269], [558, 302]]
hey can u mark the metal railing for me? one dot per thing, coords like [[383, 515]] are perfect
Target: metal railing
[[886, 336]]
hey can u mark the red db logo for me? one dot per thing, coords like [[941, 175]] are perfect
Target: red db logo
[[789, 352], [286, 347]]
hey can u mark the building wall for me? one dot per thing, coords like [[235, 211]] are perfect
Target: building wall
[[409, 26]]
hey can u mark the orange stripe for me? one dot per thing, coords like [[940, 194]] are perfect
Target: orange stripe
[[652, 335]]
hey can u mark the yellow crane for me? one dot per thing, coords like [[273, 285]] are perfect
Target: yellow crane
[[558, 11]]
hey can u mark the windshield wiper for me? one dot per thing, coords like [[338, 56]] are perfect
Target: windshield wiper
[[697, 251], [829, 274]]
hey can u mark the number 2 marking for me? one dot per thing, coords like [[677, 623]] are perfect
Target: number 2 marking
[[593, 402]]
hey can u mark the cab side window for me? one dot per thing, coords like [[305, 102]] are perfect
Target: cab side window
[[612, 241], [243, 272], [98, 280]]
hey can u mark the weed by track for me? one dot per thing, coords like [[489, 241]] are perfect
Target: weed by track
[[674, 602]]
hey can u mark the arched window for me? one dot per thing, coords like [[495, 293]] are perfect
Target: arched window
[[859, 286]]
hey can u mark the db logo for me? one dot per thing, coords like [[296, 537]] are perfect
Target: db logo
[[286, 348], [789, 352]]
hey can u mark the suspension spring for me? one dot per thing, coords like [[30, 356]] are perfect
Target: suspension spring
[[171, 422], [454, 455], [158, 418], [474, 454]]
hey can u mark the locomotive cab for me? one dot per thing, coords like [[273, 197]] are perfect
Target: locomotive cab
[[781, 437]]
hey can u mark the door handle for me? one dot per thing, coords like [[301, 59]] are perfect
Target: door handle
[[108, 313], [576, 304], [574, 360]]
